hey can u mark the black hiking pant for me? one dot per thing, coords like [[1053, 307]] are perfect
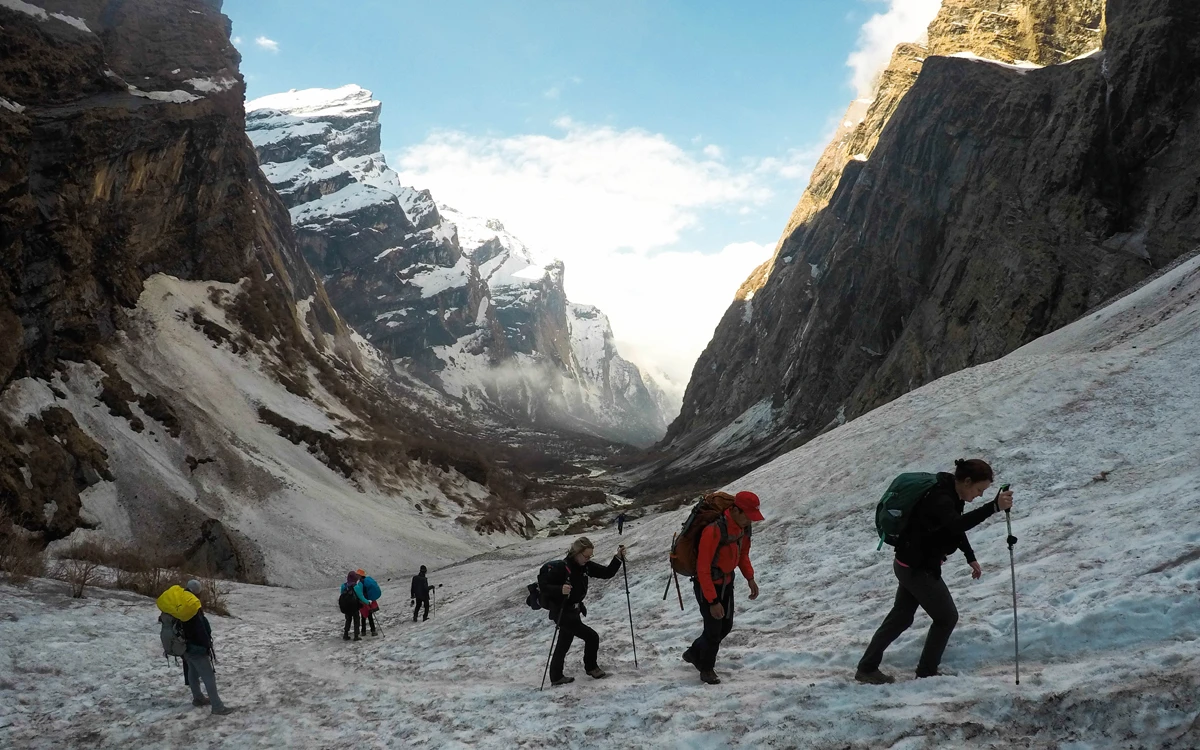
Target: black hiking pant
[[370, 618], [421, 602], [704, 649], [569, 629], [356, 619], [918, 588]]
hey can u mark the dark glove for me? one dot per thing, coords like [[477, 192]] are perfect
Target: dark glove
[[1011, 540], [582, 610]]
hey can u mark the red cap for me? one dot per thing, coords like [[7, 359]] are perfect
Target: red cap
[[747, 502]]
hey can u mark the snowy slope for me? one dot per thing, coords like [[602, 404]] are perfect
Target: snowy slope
[[1092, 425], [297, 518]]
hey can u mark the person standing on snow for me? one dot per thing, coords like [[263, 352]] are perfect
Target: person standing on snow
[[724, 545], [938, 527], [420, 594], [351, 598], [371, 592], [198, 659], [621, 524], [563, 585]]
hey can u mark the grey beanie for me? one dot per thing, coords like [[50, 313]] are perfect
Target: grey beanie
[[193, 586]]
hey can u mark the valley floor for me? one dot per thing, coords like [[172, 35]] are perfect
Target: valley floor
[[89, 673]]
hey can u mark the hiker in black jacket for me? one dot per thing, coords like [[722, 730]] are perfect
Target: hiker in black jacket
[[420, 594], [563, 585], [936, 530], [198, 660]]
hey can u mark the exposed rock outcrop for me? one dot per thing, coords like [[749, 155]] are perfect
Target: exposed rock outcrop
[[455, 300], [992, 201]]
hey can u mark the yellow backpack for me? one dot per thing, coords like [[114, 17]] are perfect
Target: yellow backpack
[[179, 603]]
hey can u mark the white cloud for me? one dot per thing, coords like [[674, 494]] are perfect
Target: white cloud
[[665, 307], [796, 165], [237, 40], [903, 21], [552, 92], [612, 204], [713, 151], [593, 189], [269, 45]]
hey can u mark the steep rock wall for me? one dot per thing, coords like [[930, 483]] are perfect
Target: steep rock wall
[[999, 203]]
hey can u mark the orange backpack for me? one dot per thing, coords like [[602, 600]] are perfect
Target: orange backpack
[[686, 545]]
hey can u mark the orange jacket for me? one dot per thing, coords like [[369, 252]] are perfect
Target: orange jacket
[[726, 558]]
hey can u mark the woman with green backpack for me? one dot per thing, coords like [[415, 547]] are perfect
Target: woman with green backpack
[[936, 528]]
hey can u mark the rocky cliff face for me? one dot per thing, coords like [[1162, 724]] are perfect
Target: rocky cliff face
[[979, 202], [452, 299], [172, 373]]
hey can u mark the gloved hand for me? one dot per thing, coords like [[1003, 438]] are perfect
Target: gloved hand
[[1012, 540], [582, 610]]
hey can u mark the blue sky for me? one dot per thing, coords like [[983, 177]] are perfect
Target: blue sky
[[659, 138]]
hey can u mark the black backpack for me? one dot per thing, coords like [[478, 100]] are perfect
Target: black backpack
[[347, 601], [534, 600]]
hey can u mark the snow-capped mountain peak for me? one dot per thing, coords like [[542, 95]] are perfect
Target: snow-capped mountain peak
[[457, 298]]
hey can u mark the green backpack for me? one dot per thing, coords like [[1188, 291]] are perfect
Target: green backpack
[[895, 507]]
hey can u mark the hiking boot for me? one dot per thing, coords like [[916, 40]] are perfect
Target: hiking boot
[[874, 677], [345, 636], [201, 701], [357, 638], [687, 656], [222, 710], [597, 673], [562, 680], [709, 677], [373, 634]]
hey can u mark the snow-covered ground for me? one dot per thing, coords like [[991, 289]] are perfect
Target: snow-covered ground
[[1094, 426], [301, 517]]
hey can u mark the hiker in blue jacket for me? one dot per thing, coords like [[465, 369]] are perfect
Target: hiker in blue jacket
[[372, 592]]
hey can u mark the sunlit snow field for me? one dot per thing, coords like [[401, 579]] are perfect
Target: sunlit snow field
[[1095, 426]]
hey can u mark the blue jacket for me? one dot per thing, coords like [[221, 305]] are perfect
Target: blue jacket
[[358, 591], [371, 588]]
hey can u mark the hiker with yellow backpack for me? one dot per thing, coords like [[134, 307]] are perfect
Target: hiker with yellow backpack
[[714, 541], [187, 634]]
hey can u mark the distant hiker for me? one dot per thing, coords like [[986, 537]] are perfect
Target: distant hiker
[[420, 594], [724, 546], [937, 528], [563, 585], [350, 601], [198, 658], [371, 592], [621, 524]]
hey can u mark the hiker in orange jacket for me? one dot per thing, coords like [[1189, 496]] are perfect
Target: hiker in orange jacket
[[724, 545]]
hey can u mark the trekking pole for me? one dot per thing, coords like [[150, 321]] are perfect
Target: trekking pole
[[628, 604], [557, 622], [677, 591], [1012, 540], [668, 589]]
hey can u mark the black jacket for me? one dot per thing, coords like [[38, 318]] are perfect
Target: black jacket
[[555, 573], [938, 527], [198, 634], [420, 587]]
